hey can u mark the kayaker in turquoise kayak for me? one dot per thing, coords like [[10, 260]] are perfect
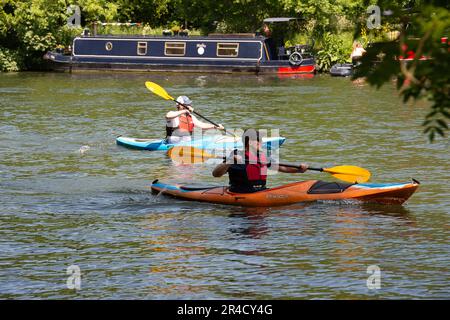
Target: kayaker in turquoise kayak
[[180, 124], [247, 170]]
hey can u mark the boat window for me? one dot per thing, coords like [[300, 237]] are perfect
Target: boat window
[[175, 48], [227, 49], [108, 46], [142, 48]]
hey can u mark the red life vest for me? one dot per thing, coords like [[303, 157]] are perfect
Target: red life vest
[[185, 127], [249, 177], [256, 167]]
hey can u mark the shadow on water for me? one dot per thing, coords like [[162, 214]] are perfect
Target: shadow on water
[[252, 222], [254, 219], [397, 211]]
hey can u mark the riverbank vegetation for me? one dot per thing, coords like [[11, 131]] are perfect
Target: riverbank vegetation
[[29, 28], [422, 40]]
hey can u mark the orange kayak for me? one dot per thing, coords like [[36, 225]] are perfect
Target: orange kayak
[[310, 190]]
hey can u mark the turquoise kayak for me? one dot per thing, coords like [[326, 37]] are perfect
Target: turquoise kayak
[[207, 142]]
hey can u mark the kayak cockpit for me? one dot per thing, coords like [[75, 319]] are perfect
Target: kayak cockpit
[[323, 187]]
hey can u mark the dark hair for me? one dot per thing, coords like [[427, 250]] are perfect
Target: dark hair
[[250, 134]]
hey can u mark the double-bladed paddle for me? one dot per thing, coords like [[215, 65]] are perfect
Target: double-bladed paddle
[[187, 154], [159, 91]]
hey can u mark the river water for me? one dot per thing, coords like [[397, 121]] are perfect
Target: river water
[[70, 196]]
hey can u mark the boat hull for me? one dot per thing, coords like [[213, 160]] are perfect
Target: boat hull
[[393, 193], [62, 63], [208, 142]]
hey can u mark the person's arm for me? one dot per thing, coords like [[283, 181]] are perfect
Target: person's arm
[[173, 114], [301, 169], [220, 170], [203, 125]]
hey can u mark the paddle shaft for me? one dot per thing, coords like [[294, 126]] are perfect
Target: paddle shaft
[[296, 166], [203, 117], [316, 169], [289, 165]]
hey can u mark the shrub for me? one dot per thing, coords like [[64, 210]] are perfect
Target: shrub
[[333, 49], [9, 60]]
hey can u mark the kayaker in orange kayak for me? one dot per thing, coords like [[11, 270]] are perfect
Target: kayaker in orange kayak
[[180, 124], [247, 170]]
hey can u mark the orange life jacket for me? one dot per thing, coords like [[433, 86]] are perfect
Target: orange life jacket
[[185, 127], [186, 123]]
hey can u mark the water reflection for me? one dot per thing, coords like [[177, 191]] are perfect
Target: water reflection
[[397, 211], [356, 235], [295, 76], [58, 205], [251, 222]]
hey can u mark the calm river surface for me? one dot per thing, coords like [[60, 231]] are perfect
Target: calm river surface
[[70, 196]]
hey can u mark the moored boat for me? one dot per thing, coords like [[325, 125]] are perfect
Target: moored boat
[[221, 53], [342, 70]]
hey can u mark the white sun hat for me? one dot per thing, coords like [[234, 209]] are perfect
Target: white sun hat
[[184, 100]]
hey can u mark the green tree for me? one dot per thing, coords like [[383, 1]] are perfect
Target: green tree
[[153, 12], [421, 29], [227, 15], [30, 28], [325, 15]]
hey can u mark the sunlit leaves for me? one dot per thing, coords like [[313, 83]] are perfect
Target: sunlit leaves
[[425, 73], [333, 50]]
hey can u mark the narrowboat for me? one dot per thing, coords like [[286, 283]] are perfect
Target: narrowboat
[[218, 53]]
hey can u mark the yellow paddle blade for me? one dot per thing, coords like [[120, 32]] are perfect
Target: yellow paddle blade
[[158, 90], [189, 155], [349, 173]]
